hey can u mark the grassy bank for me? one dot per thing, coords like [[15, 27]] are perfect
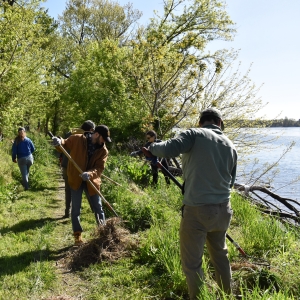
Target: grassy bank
[[36, 243]]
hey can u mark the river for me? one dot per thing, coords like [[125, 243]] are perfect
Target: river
[[288, 167]]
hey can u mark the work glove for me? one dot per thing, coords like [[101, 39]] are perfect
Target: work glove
[[135, 153], [85, 176], [56, 141]]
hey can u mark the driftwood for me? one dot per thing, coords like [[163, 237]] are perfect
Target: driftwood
[[272, 208]]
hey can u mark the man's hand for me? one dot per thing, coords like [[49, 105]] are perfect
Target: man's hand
[[15, 160], [56, 141], [85, 176]]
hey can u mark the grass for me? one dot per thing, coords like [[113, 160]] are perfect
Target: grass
[[35, 241]]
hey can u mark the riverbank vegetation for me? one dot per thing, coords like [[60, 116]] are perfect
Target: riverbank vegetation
[[56, 73], [96, 63], [39, 262]]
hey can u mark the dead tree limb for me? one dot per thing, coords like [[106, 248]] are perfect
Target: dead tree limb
[[265, 205]]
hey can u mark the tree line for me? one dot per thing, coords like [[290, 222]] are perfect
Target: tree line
[[285, 122], [96, 62]]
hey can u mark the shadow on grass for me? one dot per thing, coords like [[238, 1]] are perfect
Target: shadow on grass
[[16, 263], [43, 188], [27, 225]]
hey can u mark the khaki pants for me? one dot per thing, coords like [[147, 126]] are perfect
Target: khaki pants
[[200, 224]]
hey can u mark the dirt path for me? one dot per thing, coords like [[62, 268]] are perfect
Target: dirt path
[[70, 285]]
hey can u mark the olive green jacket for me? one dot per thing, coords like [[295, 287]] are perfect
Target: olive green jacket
[[209, 161]]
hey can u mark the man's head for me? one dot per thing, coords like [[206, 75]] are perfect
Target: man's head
[[21, 132], [88, 125], [101, 135], [151, 136], [211, 115]]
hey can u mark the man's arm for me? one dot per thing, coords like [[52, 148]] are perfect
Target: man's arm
[[32, 148], [173, 147]]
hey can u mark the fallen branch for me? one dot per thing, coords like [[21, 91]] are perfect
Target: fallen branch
[[265, 205]]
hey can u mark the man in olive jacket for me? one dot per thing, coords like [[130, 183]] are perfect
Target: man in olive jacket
[[209, 161], [88, 150]]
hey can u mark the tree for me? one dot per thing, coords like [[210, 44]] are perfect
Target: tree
[[83, 26], [100, 91], [24, 59], [97, 20], [168, 59]]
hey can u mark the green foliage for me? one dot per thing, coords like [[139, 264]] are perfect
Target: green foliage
[[168, 62], [8, 193], [24, 34], [97, 83], [161, 246], [260, 232], [139, 173], [159, 77], [32, 243], [97, 20]]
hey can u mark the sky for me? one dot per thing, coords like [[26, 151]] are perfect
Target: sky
[[267, 37]]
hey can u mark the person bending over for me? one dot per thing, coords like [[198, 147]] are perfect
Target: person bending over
[[89, 151]]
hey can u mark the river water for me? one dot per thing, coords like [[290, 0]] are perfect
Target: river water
[[288, 167]]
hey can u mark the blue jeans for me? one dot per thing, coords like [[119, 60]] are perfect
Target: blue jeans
[[24, 165], [95, 202], [67, 191]]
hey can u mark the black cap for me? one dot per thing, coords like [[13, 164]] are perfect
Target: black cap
[[214, 113], [88, 125], [104, 132], [21, 128]]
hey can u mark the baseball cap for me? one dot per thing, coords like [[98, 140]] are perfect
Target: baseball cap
[[104, 131], [212, 112], [21, 128]]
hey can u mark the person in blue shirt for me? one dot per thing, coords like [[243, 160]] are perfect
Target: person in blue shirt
[[22, 150]]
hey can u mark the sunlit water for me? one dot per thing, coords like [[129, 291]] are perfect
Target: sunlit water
[[289, 166]]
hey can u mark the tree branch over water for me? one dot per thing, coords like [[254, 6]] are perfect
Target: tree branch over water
[[264, 205]]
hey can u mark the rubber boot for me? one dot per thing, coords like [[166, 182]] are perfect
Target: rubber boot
[[78, 238]]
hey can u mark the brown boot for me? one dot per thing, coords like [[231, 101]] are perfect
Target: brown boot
[[78, 238]]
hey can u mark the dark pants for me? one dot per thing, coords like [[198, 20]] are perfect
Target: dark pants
[[67, 191], [155, 171]]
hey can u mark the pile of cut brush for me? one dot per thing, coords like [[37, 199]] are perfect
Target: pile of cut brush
[[111, 242]]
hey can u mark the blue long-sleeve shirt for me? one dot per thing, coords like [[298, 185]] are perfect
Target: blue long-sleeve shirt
[[209, 162], [23, 149]]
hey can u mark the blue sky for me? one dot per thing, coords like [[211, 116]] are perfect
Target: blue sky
[[267, 36]]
